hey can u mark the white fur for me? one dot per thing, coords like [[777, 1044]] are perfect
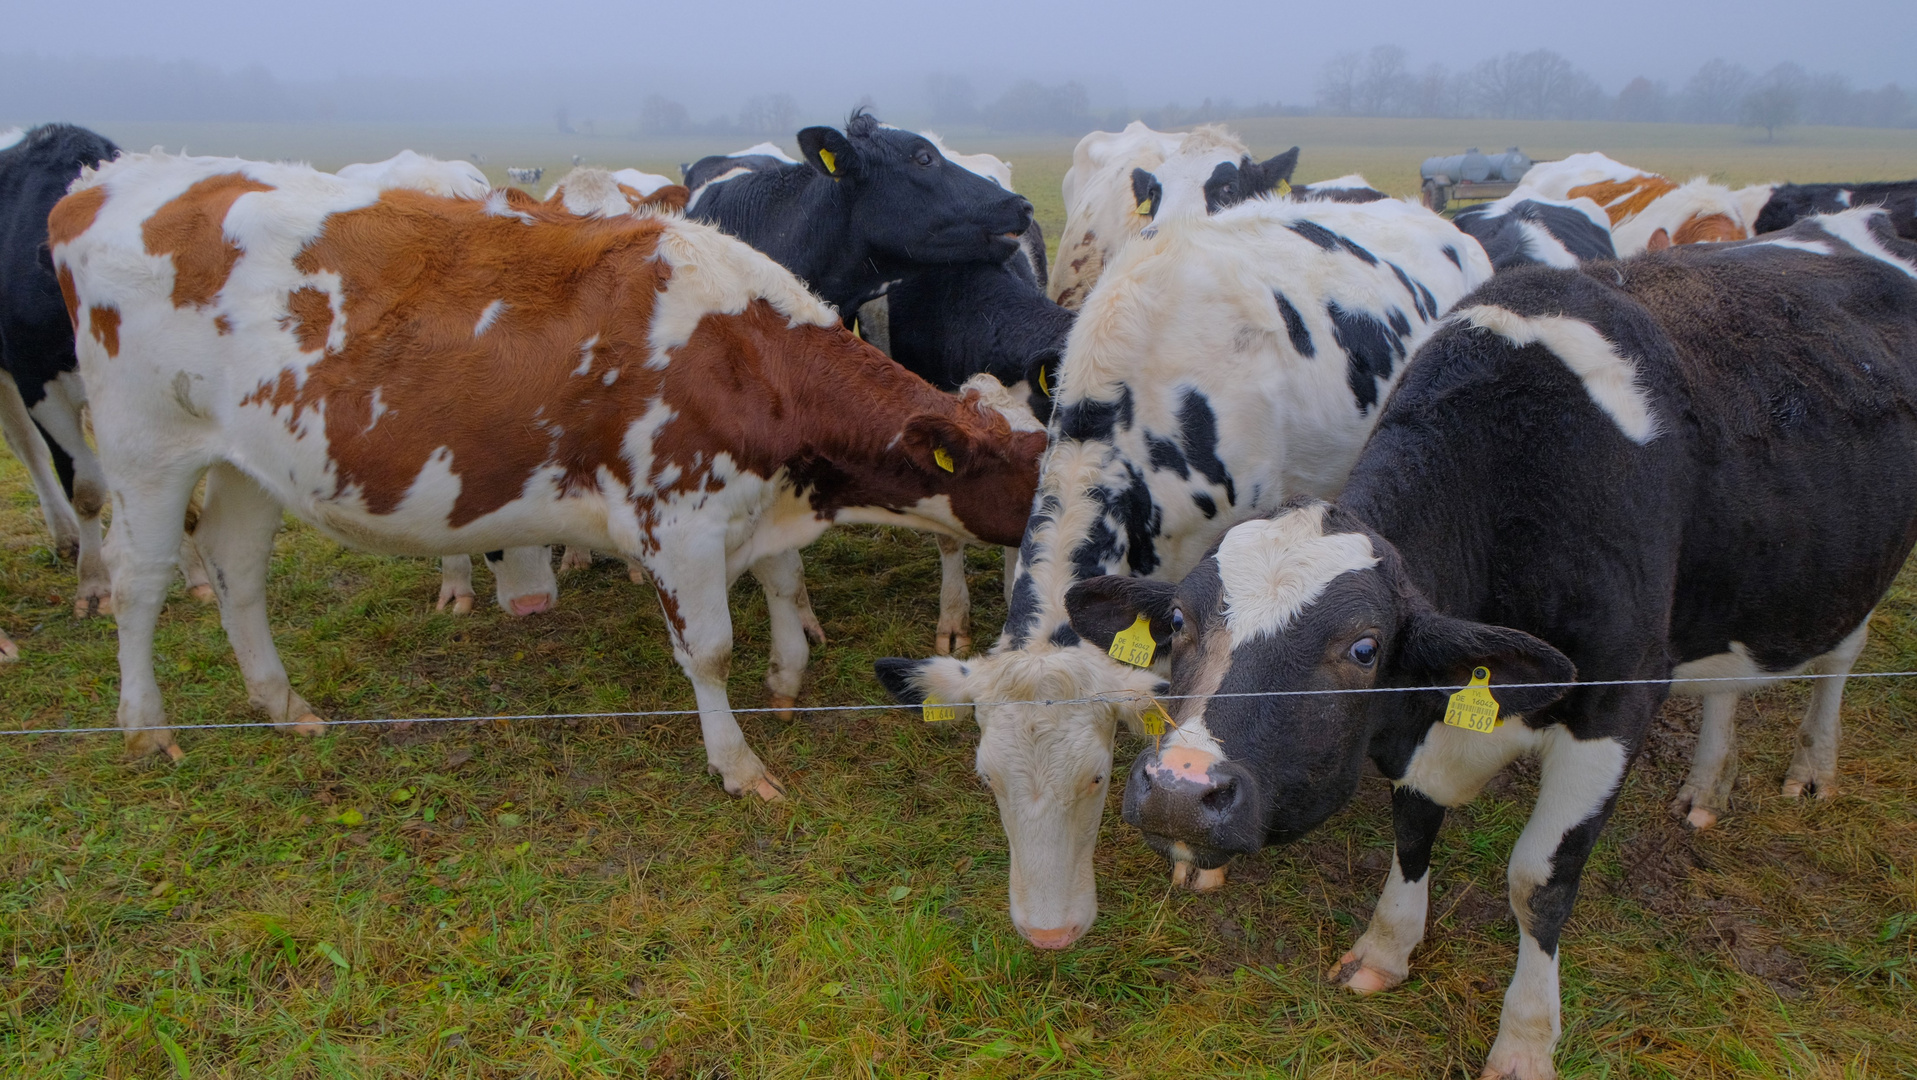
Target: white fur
[[1539, 243], [11, 136], [592, 192], [488, 316], [1853, 228], [1610, 379], [1273, 568], [406, 169]]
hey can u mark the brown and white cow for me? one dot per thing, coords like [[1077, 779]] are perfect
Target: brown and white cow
[[416, 374], [593, 192], [1648, 212]]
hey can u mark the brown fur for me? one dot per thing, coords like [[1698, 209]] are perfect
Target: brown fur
[[1708, 228], [191, 229], [416, 273], [672, 197], [309, 315], [74, 215], [104, 321], [1624, 199]]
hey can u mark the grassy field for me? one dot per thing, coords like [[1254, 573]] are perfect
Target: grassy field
[[578, 899]]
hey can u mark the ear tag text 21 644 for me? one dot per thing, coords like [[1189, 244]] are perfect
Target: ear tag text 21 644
[[1134, 645], [934, 711], [1473, 707]]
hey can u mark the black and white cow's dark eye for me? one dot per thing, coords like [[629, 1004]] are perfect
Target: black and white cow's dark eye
[[924, 158], [1177, 620], [1364, 651]]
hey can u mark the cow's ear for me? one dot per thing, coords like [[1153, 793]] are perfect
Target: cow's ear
[[1659, 240], [1147, 192], [672, 198], [937, 445], [1438, 650], [1269, 173], [1103, 606], [1042, 373], [829, 151]]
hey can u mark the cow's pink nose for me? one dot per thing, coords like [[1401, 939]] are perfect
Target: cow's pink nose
[[532, 603], [1053, 939]]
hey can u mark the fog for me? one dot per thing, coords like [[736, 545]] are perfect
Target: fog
[[487, 61]]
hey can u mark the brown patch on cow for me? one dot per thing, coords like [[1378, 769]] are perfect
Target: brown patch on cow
[[74, 215], [309, 315], [1624, 199], [103, 320], [1708, 229], [222, 325], [70, 295], [416, 271], [192, 229], [672, 197]]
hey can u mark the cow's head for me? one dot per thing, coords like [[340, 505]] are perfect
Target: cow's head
[[907, 202], [1309, 603], [981, 457], [1046, 718], [1200, 183]]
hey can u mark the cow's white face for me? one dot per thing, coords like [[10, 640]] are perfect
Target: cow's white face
[[1049, 767]]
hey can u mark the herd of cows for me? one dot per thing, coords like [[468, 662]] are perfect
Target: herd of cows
[[1605, 439]]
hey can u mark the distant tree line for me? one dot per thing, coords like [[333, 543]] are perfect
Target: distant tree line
[[764, 116], [1544, 85]]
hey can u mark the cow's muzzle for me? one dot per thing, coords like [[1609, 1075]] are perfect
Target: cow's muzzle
[[1210, 809]]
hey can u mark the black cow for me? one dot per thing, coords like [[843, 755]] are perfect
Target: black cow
[[1533, 231], [866, 206], [1789, 202], [1673, 468], [36, 350]]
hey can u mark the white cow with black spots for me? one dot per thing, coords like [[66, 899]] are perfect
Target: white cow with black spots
[[1224, 364], [1669, 469]]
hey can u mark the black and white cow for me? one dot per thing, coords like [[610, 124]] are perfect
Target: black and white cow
[[1529, 230], [1789, 202], [867, 205], [1673, 469], [1221, 365]]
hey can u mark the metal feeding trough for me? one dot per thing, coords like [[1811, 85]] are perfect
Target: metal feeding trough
[[1472, 175]]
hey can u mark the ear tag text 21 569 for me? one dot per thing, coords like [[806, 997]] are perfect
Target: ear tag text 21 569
[[934, 711], [1134, 645], [1473, 707]]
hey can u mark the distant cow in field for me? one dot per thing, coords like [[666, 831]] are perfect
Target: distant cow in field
[[1647, 211], [525, 176], [1222, 365], [1523, 229], [1669, 469], [1120, 182], [422, 375]]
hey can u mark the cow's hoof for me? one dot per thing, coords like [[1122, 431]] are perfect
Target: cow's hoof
[[575, 558], [635, 572], [1518, 1065], [532, 604], [781, 706], [1353, 974], [947, 643], [203, 593], [1208, 880], [9, 652], [769, 788], [1691, 808], [147, 741], [306, 725], [813, 631], [92, 602], [1797, 787], [68, 550]]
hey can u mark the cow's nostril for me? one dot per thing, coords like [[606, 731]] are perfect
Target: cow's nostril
[[1220, 798]]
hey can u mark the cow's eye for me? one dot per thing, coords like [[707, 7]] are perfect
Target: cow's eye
[[924, 158], [1364, 651], [1177, 620]]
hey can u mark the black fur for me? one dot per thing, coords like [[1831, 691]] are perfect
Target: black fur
[[1792, 202], [1505, 241]]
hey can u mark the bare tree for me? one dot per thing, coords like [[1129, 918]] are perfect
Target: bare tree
[[769, 114], [951, 98], [1385, 86], [1535, 85], [660, 115], [1714, 93], [1644, 101], [1032, 106], [1338, 84], [1776, 102], [1439, 93]]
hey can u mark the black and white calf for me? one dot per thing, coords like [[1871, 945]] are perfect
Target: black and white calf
[[867, 205], [1529, 230], [1221, 365], [1789, 202], [1671, 469]]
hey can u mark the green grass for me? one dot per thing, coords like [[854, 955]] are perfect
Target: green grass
[[560, 899]]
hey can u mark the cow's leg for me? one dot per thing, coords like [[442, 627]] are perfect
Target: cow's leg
[[635, 570], [235, 537], [149, 520], [24, 439], [783, 579], [59, 416], [198, 585], [1814, 765], [1706, 794], [523, 579], [1577, 787], [689, 574], [577, 557], [1381, 959], [455, 584], [954, 636]]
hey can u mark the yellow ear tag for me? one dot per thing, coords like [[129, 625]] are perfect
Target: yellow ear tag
[[1134, 645], [855, 330], [1145, 208], [943, 457], [1284, 187], [1044, 384], [1473, 707], [1155, 719], [935, 711], [830, 160]]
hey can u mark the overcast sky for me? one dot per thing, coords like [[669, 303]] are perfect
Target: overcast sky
[[1136, 52]]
